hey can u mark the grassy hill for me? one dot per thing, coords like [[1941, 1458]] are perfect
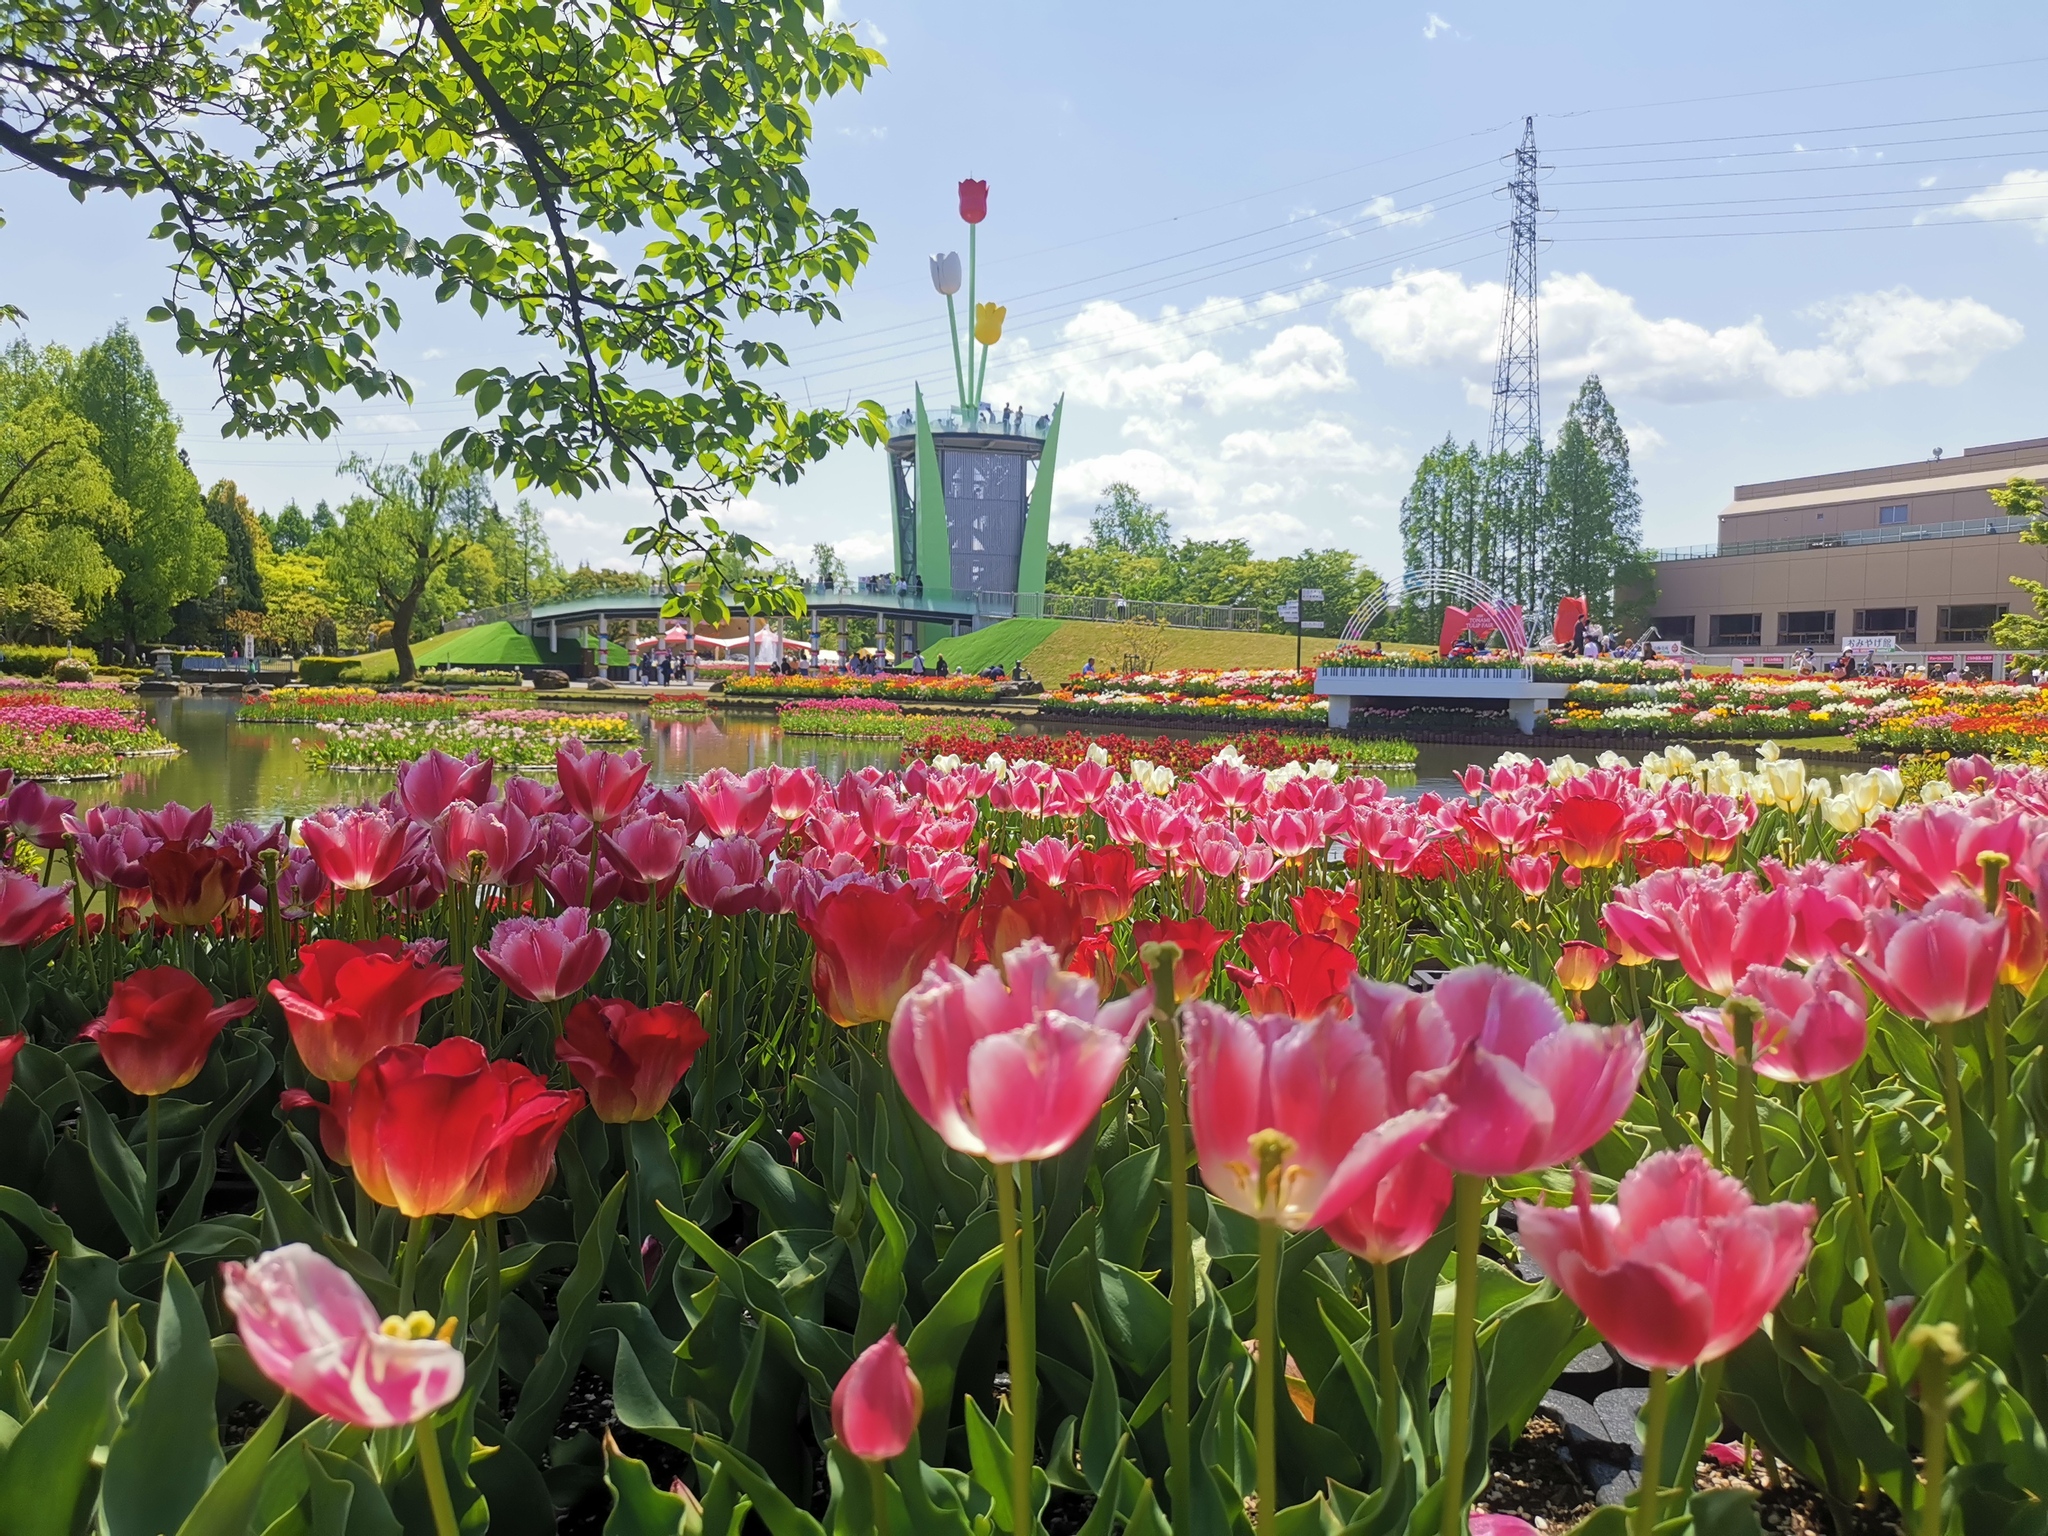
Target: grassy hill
[[1055, 649], [486, 645]]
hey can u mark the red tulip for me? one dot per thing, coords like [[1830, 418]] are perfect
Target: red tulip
[[2026, 947], [10, 1047], [332, 1112], [1095, 958], [158, 1027], [446, 1131], [1680, 1268], [628, 1059], [1107, 881], [1812, 1024], [1528, 1088], [191, 884], [546, 959], [1587, 829], [429, 785], [1322, 910], [1200, 942], [348, 1001], [601, 787], [356, 850], [1298, 974], [1939, 964], [874, 936], [1323, 1085], [1011, 1065], [1005, 919], [973, 201], [1579, 965], [876, 1406], [29, 909]]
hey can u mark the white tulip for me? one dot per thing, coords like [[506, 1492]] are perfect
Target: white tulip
[[946, 272]]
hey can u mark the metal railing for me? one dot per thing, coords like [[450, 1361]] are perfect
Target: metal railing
[[1974, 528], [1114, 610]]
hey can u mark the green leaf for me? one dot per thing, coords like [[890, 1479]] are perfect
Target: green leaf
[[46, 1471], [27, 1347], [1724, 1512], [882, 1287], [547, 1385], [771, 1504], [224, 1509], [167, 1449], [935, 1343], [115, 1169], [638, 1507]]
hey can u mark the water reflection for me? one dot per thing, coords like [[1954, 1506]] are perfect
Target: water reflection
[[257, 771]]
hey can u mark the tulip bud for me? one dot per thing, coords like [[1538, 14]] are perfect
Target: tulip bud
[[973, 201], [1579, 966], [876, 1406], [946, 272]]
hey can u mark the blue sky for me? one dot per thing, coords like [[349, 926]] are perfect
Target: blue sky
[[1258, 249]]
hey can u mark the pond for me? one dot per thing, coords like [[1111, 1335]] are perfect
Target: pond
[[255, 771]]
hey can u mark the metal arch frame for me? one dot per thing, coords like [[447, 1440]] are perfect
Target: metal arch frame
[[1436, 581]]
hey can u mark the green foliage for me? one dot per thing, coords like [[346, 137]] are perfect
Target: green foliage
[[2021, 497], [394, 548], [56, 502], [229, 511], [827, 569]]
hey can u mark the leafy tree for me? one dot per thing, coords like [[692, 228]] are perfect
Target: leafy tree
[[1592, 523], [601, 581], [170, 552], [281, 148], [32, 609], [1124, 520], [2021, 497], [56, 501], [289, 531], [229, 511], [299, 598], [827, 569], [395, 544]]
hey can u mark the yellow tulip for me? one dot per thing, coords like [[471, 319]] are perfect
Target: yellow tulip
[[988, 323]]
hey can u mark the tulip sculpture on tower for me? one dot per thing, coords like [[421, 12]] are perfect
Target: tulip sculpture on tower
[[985, 321]]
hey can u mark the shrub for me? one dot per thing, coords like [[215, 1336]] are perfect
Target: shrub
[[72, 669], [31, 660], [329, 669]]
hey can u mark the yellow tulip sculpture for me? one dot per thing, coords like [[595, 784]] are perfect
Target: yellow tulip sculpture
[[988, 323]]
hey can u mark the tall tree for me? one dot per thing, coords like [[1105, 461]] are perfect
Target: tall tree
[[395, 544], [171, 551], [1592, 513], [289, 531], [280, 136], [1125, 521], [827, 569], [2021, 497], [229, 511]]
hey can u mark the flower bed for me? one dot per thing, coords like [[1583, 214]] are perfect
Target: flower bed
[[70, 732], [1223, 697], [1193, 683], [995, 1136], [2005, 719], [318, 705], [522, 737], [1183, 755], [847, 685], [880, 720], [677, 706]]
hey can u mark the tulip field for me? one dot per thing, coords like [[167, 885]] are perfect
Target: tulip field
[[1210, 1142]]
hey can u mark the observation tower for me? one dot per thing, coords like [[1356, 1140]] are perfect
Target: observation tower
[[970, 483]]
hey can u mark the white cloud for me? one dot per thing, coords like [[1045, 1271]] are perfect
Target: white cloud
[[1644, 440], [1868, 340], [1437, 27], [386, 422], [431, 354], [573, 521], [861, 550], [745, 513], [1325, 444], [2019, 196], [1383, 209], [1113, 358]]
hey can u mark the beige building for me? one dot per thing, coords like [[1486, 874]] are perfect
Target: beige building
[[1916, 551]]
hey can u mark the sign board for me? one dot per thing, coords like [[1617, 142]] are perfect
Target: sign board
[[1289, 612], [1311, 623], [1942, 657], [1867, 645], [1774, 661], [1311, 594], [1979, 658], [1671, 648]]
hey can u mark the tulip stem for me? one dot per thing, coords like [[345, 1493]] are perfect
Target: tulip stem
[[1181, 1297], [150, 1157], [1958, 1191], [953, 325], [1852, 1191], [1658, 1411], [434, 1475], [1389, 1382], [1939, 1349], [971, 408], [1469, 1189], [1265, 1420], [1027, 1246], [1013, 1310], [409, 1262], [1993, 1025], [878, 1484], [1748, 1131]]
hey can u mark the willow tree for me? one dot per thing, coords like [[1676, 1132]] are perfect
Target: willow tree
[[622, 180]]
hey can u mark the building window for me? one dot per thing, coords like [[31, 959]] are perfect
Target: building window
[[1903, 623], [1967, 623], [1674, 626], [1736, 629], [1813, 626], [1886, 516]]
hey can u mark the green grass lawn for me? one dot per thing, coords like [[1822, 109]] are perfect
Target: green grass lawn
[[486, 645], [1054, 649]]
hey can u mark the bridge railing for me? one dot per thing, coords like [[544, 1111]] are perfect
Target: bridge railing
[[1114, 610]]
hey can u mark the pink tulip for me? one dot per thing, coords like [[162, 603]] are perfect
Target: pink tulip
[[726, 876], [312, 1331], [29, 909], [568, 880], [500, 831], [1637, 917], [793, 791], [1527, 1087], [1727, 923], [35, 815], [1933, 849], [1050, 858], [876, 1406], [173, 823], [1011, 1070], [733, 806], [1680, 1268], [1323, 1085], [1531, 874], [648, 848], [1813, 1024], [1939, 964], [1829, 903], [429, 785], [601, 787], [356, 850], [10, 1047], [544, 959]]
